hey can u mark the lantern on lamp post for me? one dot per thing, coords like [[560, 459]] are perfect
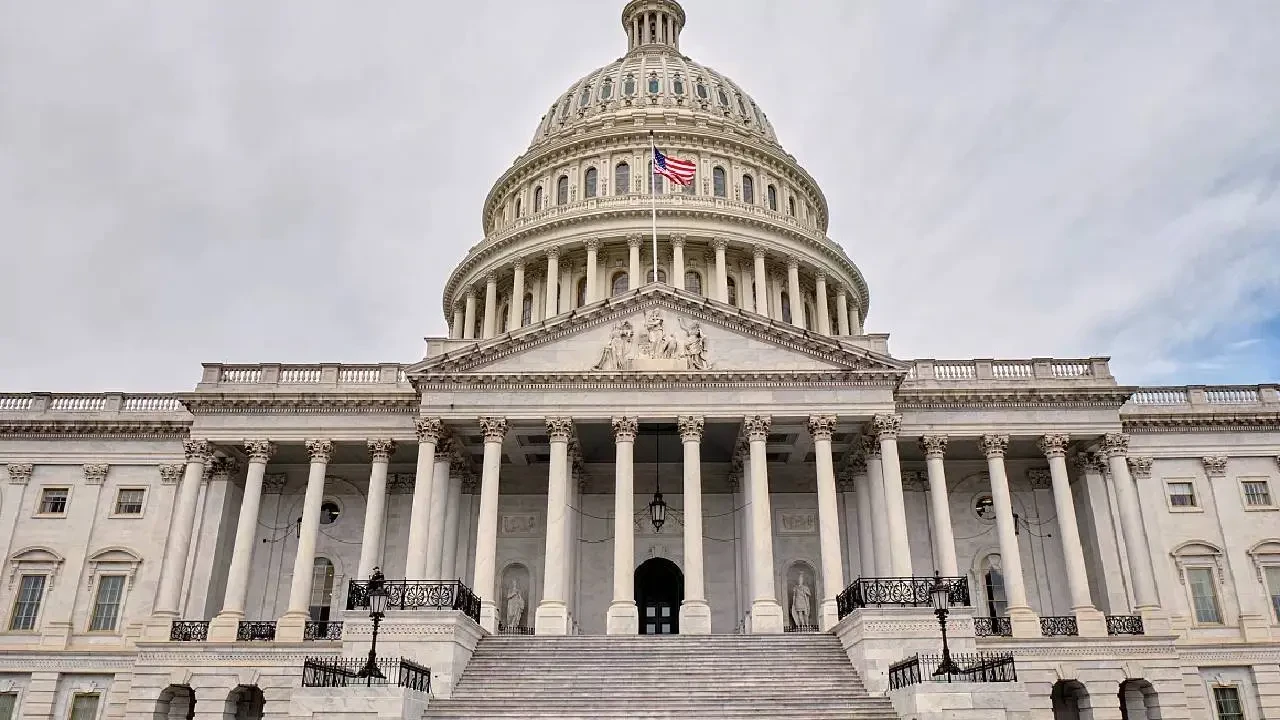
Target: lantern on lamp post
[[377, 607], [940, 593]]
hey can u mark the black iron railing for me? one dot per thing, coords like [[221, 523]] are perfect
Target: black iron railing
[[989, 626], [1058, 625], [322, 630], [904, 592], [189, 631], [514, 630], [418, 595], [1125, 625], [332, 672], [970, 667], [256, 630], [801, 629]]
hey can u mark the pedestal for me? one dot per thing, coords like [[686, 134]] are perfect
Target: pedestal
[[695, 617], [552, 618], [157, 627], [766, 617], [1155, 622], [875, 638], [224, 627], [828, 615], [1024, 623], [489, 616], [623, 619], [442, 640], [291, 627], [1090, 622]]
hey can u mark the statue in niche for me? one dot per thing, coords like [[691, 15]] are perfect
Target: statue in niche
[[695, 346], [616, 354], [801, 597], [656, 343], [515, 605]]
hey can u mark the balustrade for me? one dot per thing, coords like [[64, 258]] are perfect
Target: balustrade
[[249, 630], [1013, 370], [359, 375], [418, 595], [1162, 396], [970, 667], [300, 375], [240, 375], [78, 403], [11, 403], [336, 672], [1125, 625], [150, 403], [954, 371], [189, 631], [992, 626], [1231, 396], [1069, 369], [322, 630], [1058, 625], [902, 592]]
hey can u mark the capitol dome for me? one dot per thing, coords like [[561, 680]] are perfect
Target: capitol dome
[[572, 221]]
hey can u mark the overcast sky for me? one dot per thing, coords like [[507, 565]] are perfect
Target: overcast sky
[[291, 181]]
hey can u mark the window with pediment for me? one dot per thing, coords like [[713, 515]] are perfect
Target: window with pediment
[[718, 181], [1200, 570], [606, 89], [677, 84], [655, 85], [590, 179], [562, 190], [772, 193], [622, 179], [584, 98], [629, 85], [748, 190]]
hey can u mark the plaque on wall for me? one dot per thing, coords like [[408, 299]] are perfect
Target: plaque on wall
[[797, 522], [519, 525]]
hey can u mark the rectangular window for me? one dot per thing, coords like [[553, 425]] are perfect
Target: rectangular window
[[53, 501], [26, 607], [8, 703], [1204, 596], [129, 501], [1272, 576], [1226, 700], [1182, 494], [1257, 493], [84, 707], [106, 607]]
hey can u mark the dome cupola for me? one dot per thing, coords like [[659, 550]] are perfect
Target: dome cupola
[[653, 23]]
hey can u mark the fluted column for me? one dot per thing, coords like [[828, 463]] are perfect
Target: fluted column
[[862, 501], [469, 316], [944, 540], [887, 428], [824, 317], [882, 566], [516, 316], [489, 324], [375, 511], [552, 617], [593, 268], [1089, 621], [761, 282], [623, 618], [553, 283], [1021, 616], [722, 270], [436, 511], [842, 312], [174, 565], [634, 278], [459, 320], [793, 289], [766, 612], [695, 613], [677, 262], [290, 626], [821, 427], [223, 627], [495, 429], [1116, 448], [452, 516], [430, 430]]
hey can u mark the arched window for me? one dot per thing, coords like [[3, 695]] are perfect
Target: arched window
[[589, 182], [733, 291], [504, 318], [606, 89], [518, 207], [582, 292], [786, 307], [622, 179], [993, 583], [692, 281], [562, 190], [479, 328], [619, 284], [700, 88], [662, 275], [656, 186], [808, 316], [717, 181], [585, 97], [748, 190], [564, 108], [742, 108], [321, 589], [835, 322], [526, 312], [537, 199], [791, 206], [772, 193], [723, 97], [654, 84]]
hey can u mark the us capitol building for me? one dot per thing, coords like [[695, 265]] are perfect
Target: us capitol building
[[722, 452]]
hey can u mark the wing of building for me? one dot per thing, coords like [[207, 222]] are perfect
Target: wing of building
[[722, 451]]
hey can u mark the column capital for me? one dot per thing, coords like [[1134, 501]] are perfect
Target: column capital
[[259, 450], [635, 240], [429, 429], [678, 239], [994, 446], [197, 450], [1215, 466], [759, 251], [559, 429], [320, 450], [857, 465], [1039, 478], [821, 427], [1140, 467], [819, 277], [553, 252], [691, 427], [934, 446], [380, 449], [471, 293], [95, 474], [20, 473], [1054, 445], [757, 427], [491, 277], [887, 426], [444, 452], [793, 263], [593, 243], [494, 428], [1115, 445], [519, 263], [169, 474], [220, 467], [720, 243], [625, 429], [870, 447]]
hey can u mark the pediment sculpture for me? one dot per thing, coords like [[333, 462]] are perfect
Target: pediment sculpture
[[656, 348]]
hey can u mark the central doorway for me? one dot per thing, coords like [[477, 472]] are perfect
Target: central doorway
[[659, 591]]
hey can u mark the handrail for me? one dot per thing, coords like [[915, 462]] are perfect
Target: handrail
[[418, 595], [902, 591]]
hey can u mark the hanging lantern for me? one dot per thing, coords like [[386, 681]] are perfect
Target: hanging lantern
[[657, 511]]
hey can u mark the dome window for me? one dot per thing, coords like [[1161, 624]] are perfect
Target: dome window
[[606, 89], [564, 109], [748, 190], [677, 85], [655, 85], [693, 282], [691, 188], [701, 89], [755, 110], [537, 199], [582, 292], [723, 97], [662, 275], [791, 206], [718, 181], [786, 307], [742, 109], [589, 182], [526, 311], [518, 207], [620, 284], [562, 190], [629, 86], [772, 192], [733, 290], [622, 179], [585, 97]]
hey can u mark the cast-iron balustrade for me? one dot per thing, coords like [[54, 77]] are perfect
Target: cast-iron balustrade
[[256, 630], [902, 592], [336, 672], [970, 667], [189, 631], [418, 595], [992, 626], [504, 629], [1125, 625], [800, 629], [322, 630], [1059, 625]]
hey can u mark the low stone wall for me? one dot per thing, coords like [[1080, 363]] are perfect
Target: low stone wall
[[442, 640], [357, 703], [875, 638], [962, 701]]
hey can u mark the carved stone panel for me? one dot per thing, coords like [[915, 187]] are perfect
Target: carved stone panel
[[797, 522], [519, 525]]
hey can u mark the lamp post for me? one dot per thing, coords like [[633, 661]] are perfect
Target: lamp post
[[941, 595], [377, 606]]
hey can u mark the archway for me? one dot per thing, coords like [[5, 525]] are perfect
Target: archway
[[1138, 700], [659, 592], [176, 702], [1069, 697], [248, 702]]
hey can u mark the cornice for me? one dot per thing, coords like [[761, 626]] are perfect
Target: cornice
[[506, 382], [91, 428], [268, 403], [1201, 422], [997, 397]]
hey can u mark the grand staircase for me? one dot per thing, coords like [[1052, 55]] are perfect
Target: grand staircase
[[720, 677]]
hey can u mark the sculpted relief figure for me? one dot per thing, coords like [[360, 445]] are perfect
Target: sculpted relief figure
[[695, 346], [624, 351], [657, 343], [616, 354]]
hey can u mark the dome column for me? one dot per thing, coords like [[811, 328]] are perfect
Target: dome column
[[490, 325], [593, 265], [633, 262], [722, 270], [761, 282], [842, 312], [676, 280], [824, 315], [553, 287], [469, 316], [517, 297], [459, 319], [793, 290]]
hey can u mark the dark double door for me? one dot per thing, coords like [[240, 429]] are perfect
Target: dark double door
[[659, 587]]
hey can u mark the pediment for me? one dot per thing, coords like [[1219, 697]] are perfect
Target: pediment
[[658, 329]]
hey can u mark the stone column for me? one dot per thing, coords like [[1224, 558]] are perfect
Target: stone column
[[1089, 621], [495, 429], [842, 313], [824, 317], [677, 262], [593, 267], [761, 282], [695, 613], [552, 617], [634, 277], [887, 429], [290, 626], [1116, 447], [623, 618], [766, 612], [459, 319], [430, 430], [469, 316], [174, 565], [793, 290], [855, 321], [514, 320], [448, 554], [862, 500], [1021, 616], [722, 270], [375, 511], [821, 427], [223, 627], [944, 540], [879, 511], [489, 324], [553, 283], [435, 512]]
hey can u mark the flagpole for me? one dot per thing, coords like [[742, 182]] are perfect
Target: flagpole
[[653, 199]]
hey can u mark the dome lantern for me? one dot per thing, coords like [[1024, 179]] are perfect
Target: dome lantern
[[653, 23]]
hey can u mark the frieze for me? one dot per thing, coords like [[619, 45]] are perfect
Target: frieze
[[62, 429], [520, 525], [797, 522], [312, 403], [657, 348]]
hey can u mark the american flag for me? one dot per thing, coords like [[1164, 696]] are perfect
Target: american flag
[[678, 171]]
